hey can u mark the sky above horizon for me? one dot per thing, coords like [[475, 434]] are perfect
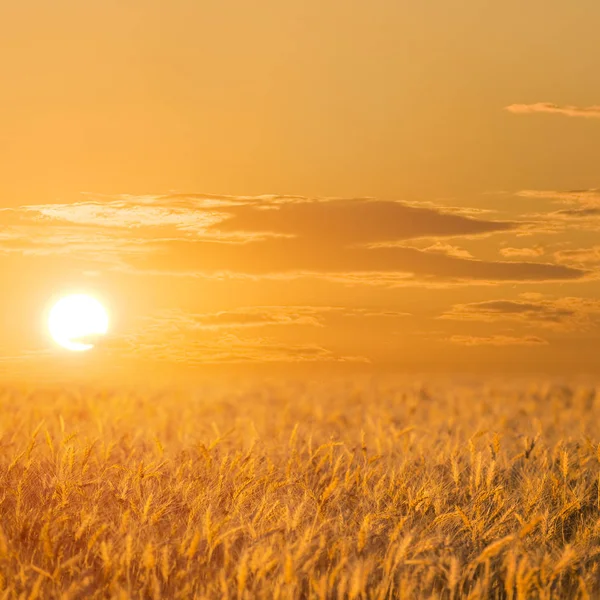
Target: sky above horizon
[[342, 186]]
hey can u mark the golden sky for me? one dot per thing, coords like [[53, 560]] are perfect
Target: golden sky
[[341, 186]]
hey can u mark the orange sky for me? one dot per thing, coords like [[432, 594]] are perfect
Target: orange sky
[[339, 186]]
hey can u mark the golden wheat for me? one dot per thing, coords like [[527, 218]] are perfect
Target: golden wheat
[[350, 491]]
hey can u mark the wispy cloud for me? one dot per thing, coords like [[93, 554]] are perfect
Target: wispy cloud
[[231, 348], [497, 340], [438, 247], [208, 338], [588, 112], [588, 198], [127, 215], [261, 316], [581, 209], [533, 252], [580, 257]]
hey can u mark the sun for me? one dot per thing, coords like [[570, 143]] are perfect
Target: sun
[[76, 318]]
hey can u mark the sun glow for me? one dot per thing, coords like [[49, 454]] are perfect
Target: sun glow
[[76, 318]]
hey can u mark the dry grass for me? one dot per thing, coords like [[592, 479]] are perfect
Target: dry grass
[[301, 492]]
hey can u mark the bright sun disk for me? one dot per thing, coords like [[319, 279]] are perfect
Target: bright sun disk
[[77, 317]]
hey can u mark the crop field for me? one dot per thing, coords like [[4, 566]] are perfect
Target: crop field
[[340, 490]]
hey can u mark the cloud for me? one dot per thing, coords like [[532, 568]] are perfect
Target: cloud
[[354, 221], [208, 338], [578, 213], [449, 250], [497, 340], [589, 198], [582, 209], [261, 316], [589, 112], [231, 348], [145, 219], [522, 252], [126, 215], [84, 243], [266, 236], [580, 257], [243, 317], [303, 257], [569, 313], [243, 219]]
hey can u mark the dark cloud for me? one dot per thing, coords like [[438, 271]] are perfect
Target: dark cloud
[[532, 310], [353, 221], [578, 212]]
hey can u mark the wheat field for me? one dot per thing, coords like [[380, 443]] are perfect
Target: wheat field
[[296, 490]]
